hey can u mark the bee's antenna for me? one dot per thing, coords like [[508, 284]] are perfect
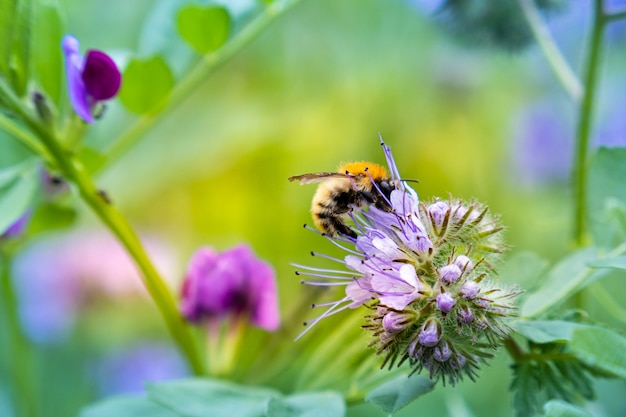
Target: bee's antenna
[[409, 180]]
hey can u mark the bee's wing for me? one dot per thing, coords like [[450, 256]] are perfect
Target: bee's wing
[[316, 177]]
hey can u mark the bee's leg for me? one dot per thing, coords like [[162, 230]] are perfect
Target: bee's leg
[[341, 228]]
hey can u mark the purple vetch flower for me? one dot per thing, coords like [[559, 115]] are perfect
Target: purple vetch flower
[[234, 282], [420, 267], [127, 370], [91, 79], [18, 227]]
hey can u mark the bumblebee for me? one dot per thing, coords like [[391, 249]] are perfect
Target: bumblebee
[[355, 184]]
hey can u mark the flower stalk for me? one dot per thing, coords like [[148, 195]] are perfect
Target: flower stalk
[[73, 171], [20, 351]]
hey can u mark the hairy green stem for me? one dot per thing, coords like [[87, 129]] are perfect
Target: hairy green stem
[[585, 117], [195, 77], [96, 199], [562, 70], [20, 351], [23, 136]]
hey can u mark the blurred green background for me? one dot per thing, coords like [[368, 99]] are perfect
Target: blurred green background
[[312, 91]]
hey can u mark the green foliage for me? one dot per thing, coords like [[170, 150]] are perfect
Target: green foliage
[[562, 281], [557, 408], [18, 187], [126, 406], [548, 372], [204, 28], [399, 392], [318, 404], [15, 42], [48, 30], [217, 398], [606, 200], [147, 83]]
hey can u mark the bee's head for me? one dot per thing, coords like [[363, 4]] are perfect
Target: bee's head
[[384, 187]]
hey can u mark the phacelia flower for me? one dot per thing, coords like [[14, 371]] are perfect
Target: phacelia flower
[[234, 282], [425, 270], [91, 79]]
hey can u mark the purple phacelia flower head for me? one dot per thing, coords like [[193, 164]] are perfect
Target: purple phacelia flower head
[[91, 79], [420, 267], [234, 282]]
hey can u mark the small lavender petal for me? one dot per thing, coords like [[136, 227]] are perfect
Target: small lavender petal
[[101, 77], [450, 274], [76, 86], [430, 333], [469, 290], [445, 302], [459, 361]]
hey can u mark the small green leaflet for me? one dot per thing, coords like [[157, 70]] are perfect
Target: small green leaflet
[[393, 395]]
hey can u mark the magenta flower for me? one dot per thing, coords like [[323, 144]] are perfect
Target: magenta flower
[[90, 80], [234, 282]]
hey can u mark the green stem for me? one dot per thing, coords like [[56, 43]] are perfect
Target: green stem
[[73, 171], [195, 77], [585, 115], [21, 358], [560, 67], [616, 15], [23, 136]]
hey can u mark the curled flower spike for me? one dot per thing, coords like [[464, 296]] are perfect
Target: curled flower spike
[[233, 282], [90, 80], [424, 268]]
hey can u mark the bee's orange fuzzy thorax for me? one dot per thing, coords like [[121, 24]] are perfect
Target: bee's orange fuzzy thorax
[[356, 168]]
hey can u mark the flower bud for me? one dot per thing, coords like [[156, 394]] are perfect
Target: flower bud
[[430, 333], [438, 212], [469, 290], [445, 302], [442, 352], [464, 263], [394, 322], [465, 315], [450, 274]]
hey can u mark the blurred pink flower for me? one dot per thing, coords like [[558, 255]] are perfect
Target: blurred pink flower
[[234, 282], [57, 276]]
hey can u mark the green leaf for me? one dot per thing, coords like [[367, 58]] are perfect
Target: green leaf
[[600, 348], [545, 331], [17, 196], [562, 281], [210, 397], [126, 406], [47, 55], [524, 269], [558, 408], [316, 404], [7, 18], [146, 85], [605, 192], [618, 262], [49, 216], [399, 392], [204, 28], [19, 55]]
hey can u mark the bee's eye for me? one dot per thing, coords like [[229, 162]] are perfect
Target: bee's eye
[[385, 187]]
